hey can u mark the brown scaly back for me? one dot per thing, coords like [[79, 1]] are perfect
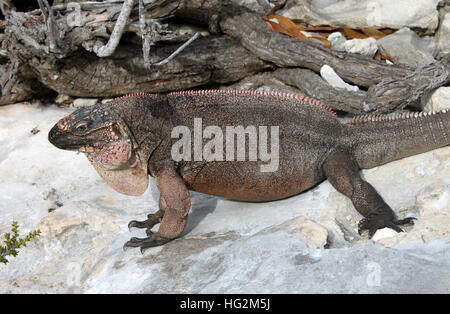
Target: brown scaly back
[[298, 97], [303, 99]]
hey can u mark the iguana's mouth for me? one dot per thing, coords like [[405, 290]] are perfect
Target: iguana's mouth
[[102, 146], [70, 142], [89, 149], [93, 148], [67, 141]]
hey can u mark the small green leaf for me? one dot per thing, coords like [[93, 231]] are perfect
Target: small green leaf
[[12, 242]]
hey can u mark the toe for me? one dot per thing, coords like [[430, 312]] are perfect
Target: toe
[[394, 226], [149, 223], [405, 221], [363, 224], [145, 243], [137, 224]]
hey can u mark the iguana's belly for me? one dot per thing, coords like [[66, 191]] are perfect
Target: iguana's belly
[[244, 180]]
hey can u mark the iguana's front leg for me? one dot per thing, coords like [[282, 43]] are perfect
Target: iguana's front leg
[[343, 174], [177, 204]]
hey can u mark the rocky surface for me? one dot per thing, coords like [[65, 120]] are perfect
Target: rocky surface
[[367, 13], [329, 75], [422, 28], [439, 100], [84, 102], [366, 46], [307, 243], [443, 35], [406, 47]]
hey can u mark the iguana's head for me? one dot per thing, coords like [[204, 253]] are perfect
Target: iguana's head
[[99, 132], [94, 130]]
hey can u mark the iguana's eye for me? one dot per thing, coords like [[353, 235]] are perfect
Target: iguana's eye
[[81, 126]]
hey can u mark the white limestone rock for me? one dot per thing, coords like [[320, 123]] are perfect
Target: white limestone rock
[[366, 13], [440, 100], [443, 34], [63, 99], [106, 100], [228, 246], [337, 41], [384, 233], [84, 102], [367, 46], [332, 78], [406, 47]]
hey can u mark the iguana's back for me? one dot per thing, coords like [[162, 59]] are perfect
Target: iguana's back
[[307, 130]]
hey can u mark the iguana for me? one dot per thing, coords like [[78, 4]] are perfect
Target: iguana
[[132, 137]]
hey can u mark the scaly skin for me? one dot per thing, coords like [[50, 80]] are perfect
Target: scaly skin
[[131, 137]]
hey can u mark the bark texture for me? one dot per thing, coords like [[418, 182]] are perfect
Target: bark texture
[[67, 48]]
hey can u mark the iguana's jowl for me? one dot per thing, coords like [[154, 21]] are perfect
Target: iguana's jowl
[[103, 137]]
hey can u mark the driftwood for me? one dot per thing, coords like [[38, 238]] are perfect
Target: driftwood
[[390, 86], [208, 60], [104, 49]]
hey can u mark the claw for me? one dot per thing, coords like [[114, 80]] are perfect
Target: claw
[[133, 242], [152, 220], [133, 224], [145, 243], [409, 220], [127, 245], [380, 221]]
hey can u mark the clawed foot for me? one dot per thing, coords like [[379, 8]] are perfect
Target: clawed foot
[[153, 239], [145, 243], [380, 221], [153, 219]]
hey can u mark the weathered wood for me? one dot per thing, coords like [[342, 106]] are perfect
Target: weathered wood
[[64, 60], [392, 94], [310, 83], [253, 33], [386, 96], [208, 60], [390, 87], [21, 88], [76, 72]]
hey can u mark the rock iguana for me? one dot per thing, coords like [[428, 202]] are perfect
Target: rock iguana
[[131, 137]]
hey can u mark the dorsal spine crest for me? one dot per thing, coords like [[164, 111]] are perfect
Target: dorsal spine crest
[[132, 95], [302, 98], [391, 117]]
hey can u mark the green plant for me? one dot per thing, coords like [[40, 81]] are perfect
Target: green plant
[[12, 242]]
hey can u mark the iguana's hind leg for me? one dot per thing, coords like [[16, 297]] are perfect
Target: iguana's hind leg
[[343, 174], [152, 219]]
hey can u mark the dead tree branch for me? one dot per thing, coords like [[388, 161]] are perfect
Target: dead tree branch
[[176, 52], [114, 39], [310, 83], [72, 58], [391, 87]]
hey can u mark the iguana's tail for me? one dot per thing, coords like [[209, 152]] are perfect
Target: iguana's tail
[[378, 139]]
